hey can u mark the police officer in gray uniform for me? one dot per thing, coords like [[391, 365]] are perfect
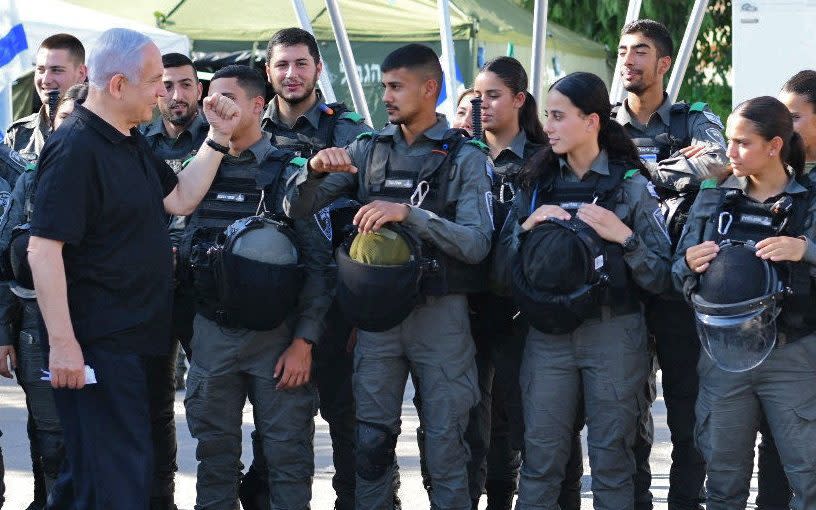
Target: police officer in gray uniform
[[599, 361], [765, 366], [681, 145], [299, 120], [174, 136], [59, 64], [234, 357], [406, 162]]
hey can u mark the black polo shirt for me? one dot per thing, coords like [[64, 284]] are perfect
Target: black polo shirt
[[101, 193]]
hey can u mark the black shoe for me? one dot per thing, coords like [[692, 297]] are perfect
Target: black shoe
[[500, 494], [35, 506], [253, 492]]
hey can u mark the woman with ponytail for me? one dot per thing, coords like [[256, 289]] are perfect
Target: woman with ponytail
[[583, 242], [746, 262], [513, 133]]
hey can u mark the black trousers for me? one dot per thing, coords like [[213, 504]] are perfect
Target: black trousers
[[774, 491], [671, 322], [107, 435], [161, 390]]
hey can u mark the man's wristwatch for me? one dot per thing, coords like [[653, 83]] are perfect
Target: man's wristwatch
[[217, 146], [630, 243]]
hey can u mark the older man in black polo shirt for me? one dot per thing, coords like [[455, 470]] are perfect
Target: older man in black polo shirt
[[101, 260]]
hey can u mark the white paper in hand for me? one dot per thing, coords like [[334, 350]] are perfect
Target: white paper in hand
[[90, 375]]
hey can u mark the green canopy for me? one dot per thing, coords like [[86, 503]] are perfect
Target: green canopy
[[482, 29]]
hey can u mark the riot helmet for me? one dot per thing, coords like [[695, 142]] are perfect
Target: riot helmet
[[736, 304], [560, 274], [379, 277]]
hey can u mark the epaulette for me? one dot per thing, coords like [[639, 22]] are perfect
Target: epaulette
[[708, 184], [698, 107], [352, 116], [366, 134], [480, 144], [630, 173]]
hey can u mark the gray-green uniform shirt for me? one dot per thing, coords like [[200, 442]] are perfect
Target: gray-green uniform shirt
[[706, 204], [648, 263], [306, 130], [703, 127], [175, 151], [27, 136], [467, 238]]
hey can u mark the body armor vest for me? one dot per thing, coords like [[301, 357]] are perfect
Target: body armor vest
[[427, 188], [742, 219], [621, 294], [307, 146]]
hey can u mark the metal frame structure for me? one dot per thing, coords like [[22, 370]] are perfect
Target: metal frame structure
[[306, 24], [448, 55], [616, 91], [347, 58], [681, 63], [538, 64]]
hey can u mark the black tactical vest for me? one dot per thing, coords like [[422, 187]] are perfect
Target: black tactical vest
[[422, 181], [740, 218], [307, 146], [605, 190]]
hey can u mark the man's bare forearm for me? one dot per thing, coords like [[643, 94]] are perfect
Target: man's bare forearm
[[48, 270], [194, 181]]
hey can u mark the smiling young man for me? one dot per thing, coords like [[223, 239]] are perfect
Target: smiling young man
[[681, 145], [416, 154], [59, 64], [298, 119]]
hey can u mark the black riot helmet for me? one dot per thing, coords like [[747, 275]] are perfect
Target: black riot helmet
[[259, 273], [379, 277], [736, 304], [560, 274]]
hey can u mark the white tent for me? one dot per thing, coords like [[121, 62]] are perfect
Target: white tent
[[42, 18]]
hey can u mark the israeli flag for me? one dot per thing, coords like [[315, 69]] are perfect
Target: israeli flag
[[13, 50]]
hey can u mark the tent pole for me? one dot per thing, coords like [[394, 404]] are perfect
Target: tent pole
[[538, 64], [698, 12], [347, 58], [616, 92], [306, 24], [448, 55]]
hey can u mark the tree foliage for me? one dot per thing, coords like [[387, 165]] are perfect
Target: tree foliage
[[706, 76]]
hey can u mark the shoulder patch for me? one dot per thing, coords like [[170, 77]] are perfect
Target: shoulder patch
[[698, 106], [650, 187], [708, 184], [631, 173], [480, 144], [18, 159], [298, 161], [365, 135], [352, 116], [713, 118]]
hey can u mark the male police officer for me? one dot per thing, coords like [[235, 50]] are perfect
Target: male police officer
[[60, 63], [174, 136], [412, 158], [236, 357], [681, 145], [299, 120]]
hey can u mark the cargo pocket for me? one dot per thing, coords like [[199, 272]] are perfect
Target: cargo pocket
[[805, 430], [702, 418], [30, 359], [463, 385]]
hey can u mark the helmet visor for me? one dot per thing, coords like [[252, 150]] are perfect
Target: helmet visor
[[737, 343]]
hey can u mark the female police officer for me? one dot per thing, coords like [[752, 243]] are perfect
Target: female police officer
[[769, 208], [799, 95], [589, 173]]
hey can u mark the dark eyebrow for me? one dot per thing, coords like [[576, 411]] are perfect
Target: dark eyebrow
[[635, 47]]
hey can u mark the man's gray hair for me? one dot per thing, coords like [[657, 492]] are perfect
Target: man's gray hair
[[117, 51]]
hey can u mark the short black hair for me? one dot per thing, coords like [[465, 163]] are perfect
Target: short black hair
[[803, 84], [66, 42], [170, 60], [248, 79], [654, 31], [292, 37], [416, 57]]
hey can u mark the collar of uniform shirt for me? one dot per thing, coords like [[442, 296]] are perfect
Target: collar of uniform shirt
[[792, 188], [516, 146], [600, 165], [312, 115], [624, 116]]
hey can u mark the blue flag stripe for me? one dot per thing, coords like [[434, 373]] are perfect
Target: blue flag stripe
[[12, 44]]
